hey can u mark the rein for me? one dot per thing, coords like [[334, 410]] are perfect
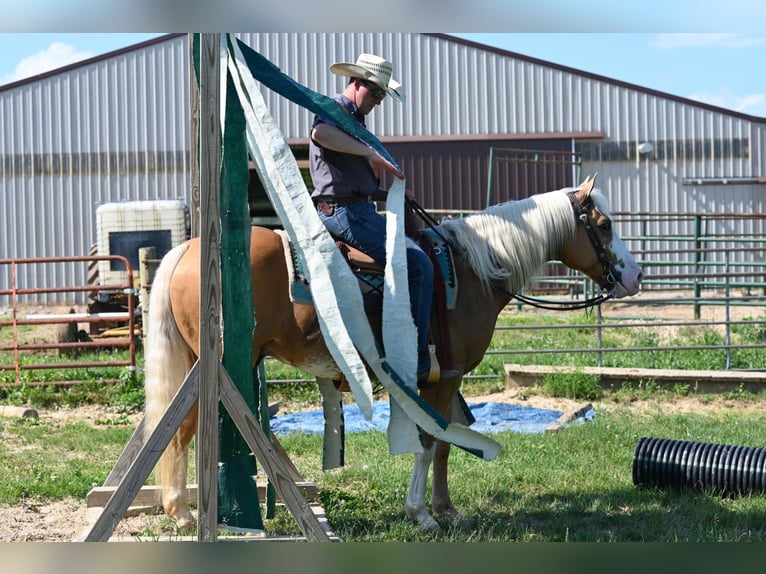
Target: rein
[[418, 210], [612, 276], [561, 305]]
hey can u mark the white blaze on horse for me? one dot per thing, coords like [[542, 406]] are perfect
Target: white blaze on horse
[[497, 251]]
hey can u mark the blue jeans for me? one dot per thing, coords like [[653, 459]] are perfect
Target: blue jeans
[[360, 225]]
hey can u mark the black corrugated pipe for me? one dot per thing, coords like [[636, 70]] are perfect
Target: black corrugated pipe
[[720, 468]]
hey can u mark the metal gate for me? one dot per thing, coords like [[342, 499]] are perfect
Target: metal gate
[[518, 173], [66, 349]]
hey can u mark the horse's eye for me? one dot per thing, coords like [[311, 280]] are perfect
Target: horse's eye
[[606, 227]]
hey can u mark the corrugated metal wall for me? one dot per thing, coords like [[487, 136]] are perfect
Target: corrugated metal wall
[[117, 128]]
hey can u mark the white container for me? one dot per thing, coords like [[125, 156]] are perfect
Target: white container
[[122, 228]]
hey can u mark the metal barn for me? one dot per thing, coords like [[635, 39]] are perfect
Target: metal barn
[[479, 126]]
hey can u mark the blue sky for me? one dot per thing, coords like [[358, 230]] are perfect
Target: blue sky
[[723, 69]]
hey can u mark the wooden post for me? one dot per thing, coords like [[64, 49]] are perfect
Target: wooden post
[[194, 143], [147, 265], [210, 288]]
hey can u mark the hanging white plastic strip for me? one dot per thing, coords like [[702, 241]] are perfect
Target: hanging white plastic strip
[[319, 255], [399, 333], [327, 271]]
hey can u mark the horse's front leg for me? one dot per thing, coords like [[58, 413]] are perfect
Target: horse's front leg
[[440, 498], [416, 496]]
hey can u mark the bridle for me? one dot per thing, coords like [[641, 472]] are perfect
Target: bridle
[[612, 275], [611, 278]]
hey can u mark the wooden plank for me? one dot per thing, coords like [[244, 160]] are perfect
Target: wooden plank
[[210, 285], [278, 473], [23, 412], [568, 417], [150, 496], [321, 517], [194, 143], [129, 454], [114, 510], [613, 377]]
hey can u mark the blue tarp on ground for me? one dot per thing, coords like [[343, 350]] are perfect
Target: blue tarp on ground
[[490, 418]]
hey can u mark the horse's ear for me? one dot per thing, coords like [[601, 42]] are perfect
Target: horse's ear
[[586, 187]]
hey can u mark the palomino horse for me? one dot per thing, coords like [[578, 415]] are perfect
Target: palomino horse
[[497, 251]]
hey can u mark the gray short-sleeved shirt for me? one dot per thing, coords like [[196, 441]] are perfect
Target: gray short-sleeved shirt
[[337, 175]]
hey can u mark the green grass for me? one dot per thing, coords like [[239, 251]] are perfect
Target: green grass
[[572, 485], [50, 460]]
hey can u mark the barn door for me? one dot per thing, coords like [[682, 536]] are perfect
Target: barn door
[[516, 173]]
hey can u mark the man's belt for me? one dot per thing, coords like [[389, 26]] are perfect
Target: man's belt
[[339, 201]]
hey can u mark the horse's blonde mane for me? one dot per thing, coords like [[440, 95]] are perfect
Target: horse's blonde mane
[[509, 242]]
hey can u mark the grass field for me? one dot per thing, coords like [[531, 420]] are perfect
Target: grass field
[[573, 485]]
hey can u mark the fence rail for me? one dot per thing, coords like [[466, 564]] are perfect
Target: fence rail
[[718, 275], [67, 347]]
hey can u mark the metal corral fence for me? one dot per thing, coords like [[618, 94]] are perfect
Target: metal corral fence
[[63, 335], [702, 275], [697, 273]]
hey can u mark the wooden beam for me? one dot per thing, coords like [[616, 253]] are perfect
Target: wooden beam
[[23, 412], [210, 285], [614, 377], [150, 496]]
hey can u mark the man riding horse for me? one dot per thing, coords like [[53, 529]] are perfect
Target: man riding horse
[[346, 177]]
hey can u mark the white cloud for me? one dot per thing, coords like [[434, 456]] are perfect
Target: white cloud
[[752, 104], [671, 41], [55, 56]]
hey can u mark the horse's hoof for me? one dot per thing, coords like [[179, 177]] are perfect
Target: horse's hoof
[[186, 523], [425, 521], [453, 518], [429, 526]]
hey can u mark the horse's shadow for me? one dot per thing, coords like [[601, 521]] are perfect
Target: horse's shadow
[[642, 514], [645, 514]]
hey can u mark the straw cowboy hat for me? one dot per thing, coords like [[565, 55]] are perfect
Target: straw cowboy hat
[[374, 69]]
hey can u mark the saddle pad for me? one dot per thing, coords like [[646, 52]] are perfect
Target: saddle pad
[[300, 292], [371, 284], [445, 259]]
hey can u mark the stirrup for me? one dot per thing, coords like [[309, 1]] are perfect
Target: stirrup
[[434, 373]]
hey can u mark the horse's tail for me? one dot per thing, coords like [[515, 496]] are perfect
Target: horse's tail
[[165, 352]]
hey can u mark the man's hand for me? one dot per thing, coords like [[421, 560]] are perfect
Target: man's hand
[[380, 164]]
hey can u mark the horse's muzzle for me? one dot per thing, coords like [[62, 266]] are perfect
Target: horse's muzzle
[[629, 284]]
